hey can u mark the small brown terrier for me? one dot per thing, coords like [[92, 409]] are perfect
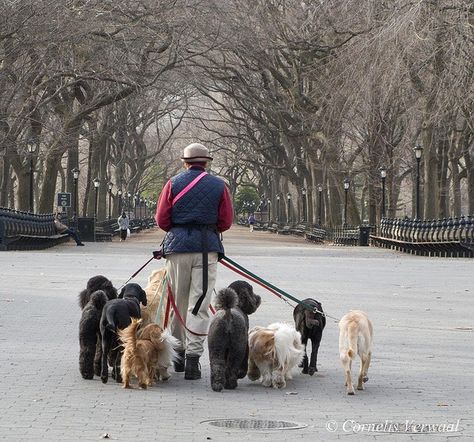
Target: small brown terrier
[[147, 354]]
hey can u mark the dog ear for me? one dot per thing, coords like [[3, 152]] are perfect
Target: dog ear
[[143, 298], [121, 293]]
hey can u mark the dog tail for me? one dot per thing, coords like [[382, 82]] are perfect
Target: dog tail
[[226, 299], [172, 345], [288, 350], [99, 298], [129, 335], [352, 336]]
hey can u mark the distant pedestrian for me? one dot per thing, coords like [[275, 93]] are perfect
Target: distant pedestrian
[[62, 228], [251, 221], [124, 224]]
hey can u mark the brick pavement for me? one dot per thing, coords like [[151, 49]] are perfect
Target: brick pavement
[[421, 309]]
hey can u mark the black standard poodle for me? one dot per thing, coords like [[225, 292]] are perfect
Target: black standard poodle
[[228, 334], [117, 314], [91, 328], [310, 324], [95, 283], [89, 336]]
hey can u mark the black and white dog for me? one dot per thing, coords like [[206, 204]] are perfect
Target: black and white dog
[[117, 314], [311, 325]]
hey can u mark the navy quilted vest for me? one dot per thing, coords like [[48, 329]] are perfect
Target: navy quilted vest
[[199, 206]]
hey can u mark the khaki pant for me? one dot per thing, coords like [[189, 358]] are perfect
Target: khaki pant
[[185, 276]]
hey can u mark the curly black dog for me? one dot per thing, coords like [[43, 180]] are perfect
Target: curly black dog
[[311, 325], [117, 314], [228, 334], [89, 335], [95, 283]]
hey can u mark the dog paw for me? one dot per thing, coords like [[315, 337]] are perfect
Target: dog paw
[[104, 379], [312, 370], [360, 387], [143, 386], [230, 385], [267, 382], [365, 378], [279, 384], [217, 386], [350, 392], [87, 376], [253, 375], [126, 386]]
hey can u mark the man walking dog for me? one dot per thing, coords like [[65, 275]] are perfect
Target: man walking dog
[[193, 208]]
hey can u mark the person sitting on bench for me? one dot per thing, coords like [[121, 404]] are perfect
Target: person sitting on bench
[[62, 228]]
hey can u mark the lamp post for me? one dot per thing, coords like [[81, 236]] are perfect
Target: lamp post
[[288, 217], [383, 175], [278, 208], [129, 195], [303, 192], [75, 175], [136, 200], [110, 198], [31, 150], [269, 204], [96, 205], [142, 202], [119, 193], [346, 188], [418, 153], [320, 206]]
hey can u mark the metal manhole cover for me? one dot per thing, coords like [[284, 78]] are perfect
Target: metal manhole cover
[[254, 424]]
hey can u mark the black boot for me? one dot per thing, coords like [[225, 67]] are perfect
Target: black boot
[[193, 368], [179, 364]]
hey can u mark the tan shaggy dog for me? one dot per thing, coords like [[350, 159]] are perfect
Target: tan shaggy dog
[[273, 352], [147, 356], [154, 289], [355, 337]]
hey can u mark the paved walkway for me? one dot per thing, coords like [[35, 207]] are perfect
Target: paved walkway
[[421, 370]]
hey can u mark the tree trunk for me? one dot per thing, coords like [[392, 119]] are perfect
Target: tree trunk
[[48, 189]]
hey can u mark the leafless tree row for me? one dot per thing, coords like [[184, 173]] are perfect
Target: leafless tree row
[[291, 95]]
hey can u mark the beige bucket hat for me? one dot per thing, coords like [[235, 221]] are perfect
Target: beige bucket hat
[[196, 153]]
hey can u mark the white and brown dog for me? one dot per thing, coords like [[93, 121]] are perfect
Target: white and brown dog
[[273, 352], [355, 337]]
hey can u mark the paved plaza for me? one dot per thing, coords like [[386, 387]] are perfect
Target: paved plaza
[[421, 373]]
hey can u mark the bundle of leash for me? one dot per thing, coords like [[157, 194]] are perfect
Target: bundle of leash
[[134, 340]]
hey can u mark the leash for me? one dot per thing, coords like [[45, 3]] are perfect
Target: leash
[[178, 315], [237, 268], [156, 255]]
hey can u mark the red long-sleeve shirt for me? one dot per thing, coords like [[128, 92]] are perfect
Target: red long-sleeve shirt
[[164, 209]]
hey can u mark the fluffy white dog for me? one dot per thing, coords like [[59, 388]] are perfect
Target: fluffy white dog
[[273, 352]]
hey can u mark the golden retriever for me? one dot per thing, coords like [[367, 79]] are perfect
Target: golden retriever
[[355, 337]]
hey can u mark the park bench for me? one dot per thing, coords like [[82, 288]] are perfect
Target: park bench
[[260, 226], [26, 231], [346, 236], [299, 229], [316, 234], [273, 227], [448, 237], [284, 230]]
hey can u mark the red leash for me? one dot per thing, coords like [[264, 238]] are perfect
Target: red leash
[[176, 312]]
